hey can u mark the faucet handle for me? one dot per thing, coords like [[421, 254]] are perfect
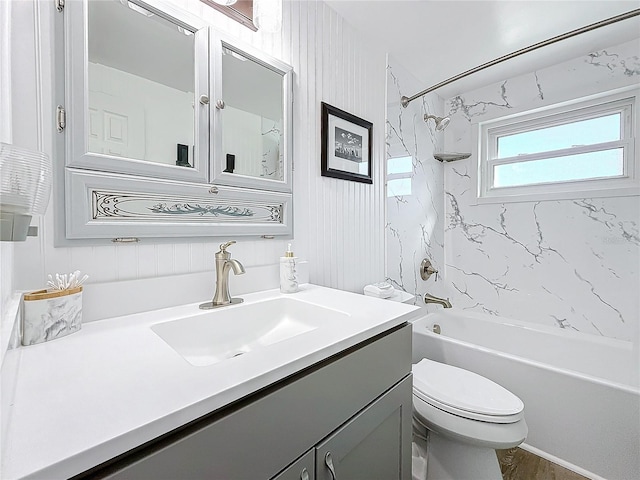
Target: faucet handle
[[426, 270], [224, 246]]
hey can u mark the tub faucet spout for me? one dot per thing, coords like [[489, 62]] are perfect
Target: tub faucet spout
[[428, 298]]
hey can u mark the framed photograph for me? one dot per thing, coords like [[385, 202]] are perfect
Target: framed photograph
[[346, 145]]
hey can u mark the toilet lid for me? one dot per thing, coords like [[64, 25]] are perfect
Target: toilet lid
[[464, 393]]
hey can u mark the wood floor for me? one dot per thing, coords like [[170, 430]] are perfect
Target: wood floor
[[518, 464]]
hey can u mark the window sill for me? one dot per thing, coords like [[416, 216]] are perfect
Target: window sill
[[538, 196]]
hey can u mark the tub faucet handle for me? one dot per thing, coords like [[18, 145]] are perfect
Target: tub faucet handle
[[426, 270]]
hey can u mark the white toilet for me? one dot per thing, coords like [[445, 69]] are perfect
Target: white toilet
[[459, 419]]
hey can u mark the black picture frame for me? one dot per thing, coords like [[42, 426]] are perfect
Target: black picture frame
[[347, 146]]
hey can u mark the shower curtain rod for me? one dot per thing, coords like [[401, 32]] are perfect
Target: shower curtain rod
[[603, 23]]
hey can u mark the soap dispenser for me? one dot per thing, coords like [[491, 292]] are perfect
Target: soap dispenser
[[288, 275]]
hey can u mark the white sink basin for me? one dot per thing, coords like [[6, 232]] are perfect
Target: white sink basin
[[217, 335]]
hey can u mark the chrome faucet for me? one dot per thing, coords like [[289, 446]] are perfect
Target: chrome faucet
[[428, 298], [224, 263]]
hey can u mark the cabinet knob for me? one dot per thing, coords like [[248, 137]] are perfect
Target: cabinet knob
[[304, 474], [328, 461], [204, 99], [220, 104]]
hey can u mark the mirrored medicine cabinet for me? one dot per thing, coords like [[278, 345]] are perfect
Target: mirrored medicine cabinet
[[168, 128]]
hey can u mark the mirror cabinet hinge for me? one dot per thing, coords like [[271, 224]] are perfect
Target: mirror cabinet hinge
[[61, 118], [59, 5]]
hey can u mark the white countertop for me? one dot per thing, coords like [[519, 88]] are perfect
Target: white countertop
[[88, 397]]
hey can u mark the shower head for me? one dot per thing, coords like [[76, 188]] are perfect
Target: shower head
[[441, 122]]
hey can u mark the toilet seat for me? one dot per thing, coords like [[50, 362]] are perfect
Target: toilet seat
[[464, 393]]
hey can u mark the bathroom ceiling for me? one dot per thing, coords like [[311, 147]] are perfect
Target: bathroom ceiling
[[435, 40]]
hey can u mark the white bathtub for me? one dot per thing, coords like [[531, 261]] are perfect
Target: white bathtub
[[581, 392]]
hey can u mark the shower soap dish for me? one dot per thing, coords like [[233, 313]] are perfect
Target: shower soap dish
[[450, 157], [51, 314]]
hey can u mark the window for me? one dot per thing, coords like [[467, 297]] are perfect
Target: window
[[399, 172], [561, 152]]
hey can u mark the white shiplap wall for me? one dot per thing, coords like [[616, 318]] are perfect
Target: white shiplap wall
[[339, 225], [6, 248]]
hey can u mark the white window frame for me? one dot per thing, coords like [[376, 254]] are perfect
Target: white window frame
[[625, 101], [404, 175]]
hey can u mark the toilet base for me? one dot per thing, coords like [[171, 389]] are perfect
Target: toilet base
[[451, 460]]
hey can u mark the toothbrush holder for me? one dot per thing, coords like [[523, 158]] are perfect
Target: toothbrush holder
[[48, 315]]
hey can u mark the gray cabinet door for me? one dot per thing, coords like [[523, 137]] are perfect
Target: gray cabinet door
[[301, 469], [375, 444]]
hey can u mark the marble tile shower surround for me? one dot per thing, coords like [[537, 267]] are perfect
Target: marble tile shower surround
[[415, 223], [569, 263]]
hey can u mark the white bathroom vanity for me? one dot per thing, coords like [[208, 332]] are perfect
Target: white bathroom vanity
[[121, 399]]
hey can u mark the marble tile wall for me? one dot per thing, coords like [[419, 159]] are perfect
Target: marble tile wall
[[573, 264], [415, 220]]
